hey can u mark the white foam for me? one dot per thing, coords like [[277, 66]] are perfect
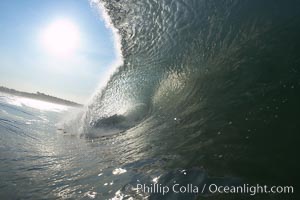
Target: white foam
[[117, 47]]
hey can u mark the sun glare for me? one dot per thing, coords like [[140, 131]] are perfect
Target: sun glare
[[61, 37]]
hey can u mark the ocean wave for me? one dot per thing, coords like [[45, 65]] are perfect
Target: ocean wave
[[213, 83]]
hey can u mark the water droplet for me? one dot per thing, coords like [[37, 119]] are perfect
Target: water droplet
[[183, 171]]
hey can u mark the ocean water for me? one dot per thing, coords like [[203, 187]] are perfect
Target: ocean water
[[38, 161], [208, 92]]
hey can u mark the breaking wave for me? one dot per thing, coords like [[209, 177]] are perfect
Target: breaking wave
[[213, 78]]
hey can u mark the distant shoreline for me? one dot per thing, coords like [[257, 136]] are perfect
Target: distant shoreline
[[40, 96]]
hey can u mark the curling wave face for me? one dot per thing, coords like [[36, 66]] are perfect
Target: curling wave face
[[216, 83]]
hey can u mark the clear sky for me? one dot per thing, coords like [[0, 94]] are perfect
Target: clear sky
[[67, 63]]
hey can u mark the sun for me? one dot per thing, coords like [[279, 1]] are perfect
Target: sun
[[61, 37]]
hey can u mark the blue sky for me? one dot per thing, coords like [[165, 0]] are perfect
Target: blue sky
[[26, 65]]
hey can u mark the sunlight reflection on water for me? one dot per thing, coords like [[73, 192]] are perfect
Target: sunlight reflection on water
[[37, 104]]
